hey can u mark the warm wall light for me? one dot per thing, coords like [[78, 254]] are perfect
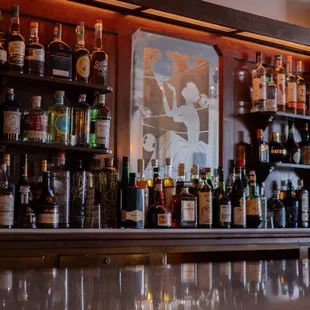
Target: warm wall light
[[188, 20], [121, 4], [274, 40]]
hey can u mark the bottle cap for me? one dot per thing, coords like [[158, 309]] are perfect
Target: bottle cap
[[168, 161], [207, 169], [60, 93], [36, 101], [140, 165], [57, 29], [109, 162], [7, 159], [11, 91], [34, 25], [61, 154], [82, 97], [154, 162], [101, 98], [301, 182]]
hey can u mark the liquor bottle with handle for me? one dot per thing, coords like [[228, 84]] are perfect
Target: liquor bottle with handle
[[292, 147], [168, 184], [301, 90], [280, 82], [204, 203], [259, 85], [291, 87]]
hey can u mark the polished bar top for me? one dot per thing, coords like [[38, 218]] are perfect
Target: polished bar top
[[228, 285]]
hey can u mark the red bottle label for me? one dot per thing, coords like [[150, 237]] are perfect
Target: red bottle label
[[35, 126]]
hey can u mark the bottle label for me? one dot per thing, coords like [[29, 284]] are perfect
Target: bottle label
[[34, 54], [291, 94], [3, 56], [48, 218], [305, 207], [296, 157], [188, 273], [169, 192], [164, 220], [225, 213], [60, 62], [264, 153], [253, 207], [188, 210], [83, 66], [301, 97], [102, 128], [271, 105], [135, 216], [259, 88], [62, 123], [240, 214], [279, 215], [101, 68], [205, 208], [35, 126], [16, 53], [281, 89], [6, 210], [305, 155], [11, 122]]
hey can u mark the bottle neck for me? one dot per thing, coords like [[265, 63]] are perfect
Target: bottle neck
[[98, 39], [168, 170], [158, 196], [80, 41], [279, 63], [15, 26], [125, 176], [289, 68], [46, 184], [291, 132], [57, 36], [140, 175], [34, 35], [221, 185], [252, 187], [259, 60]]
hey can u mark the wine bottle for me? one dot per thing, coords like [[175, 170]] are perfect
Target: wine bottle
[[292, 147]]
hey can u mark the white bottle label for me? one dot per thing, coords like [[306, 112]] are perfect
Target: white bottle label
[[11, 122], [225, 213], [188, 273], [291, 94], [61, 73], [3, 56], [188, 210], [240, 214], [253, 207], [305, 207], [164, 219], [102, 128], [259, 88], [135, 216], [296, 157], [205, 208], [16, 53], [6, 210], [281, 89], [169, 192]]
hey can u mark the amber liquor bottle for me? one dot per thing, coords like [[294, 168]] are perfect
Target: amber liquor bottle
[[168, 184]]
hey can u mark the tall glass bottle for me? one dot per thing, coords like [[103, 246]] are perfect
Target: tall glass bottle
[[142, 183], [59, 56], [291, 87], [277, 152], [151, 181], [16, 43], [7, 162], [99, 59], [261, 148], [302, 196], [259, 85], [301, 90], [278, 209], [304, 145], [188, 209], [59, 120], [80, 120], [35, 122], [100, 124], [81, 57], [292, 206], [204, 198], [26, 217], [194, 179], [168, 184], [35, 53], [272, 95], [253, 204], [3, 47], [280, 81], [263, 200], [292, 147], [124, 184], [61, 185]]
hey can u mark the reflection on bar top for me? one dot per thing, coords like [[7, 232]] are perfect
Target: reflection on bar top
[[227, 285]]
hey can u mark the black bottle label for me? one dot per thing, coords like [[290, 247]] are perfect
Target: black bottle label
[[60, 64]]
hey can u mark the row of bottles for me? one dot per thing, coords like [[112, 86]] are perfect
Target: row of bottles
[[81, 125], [57, 60]]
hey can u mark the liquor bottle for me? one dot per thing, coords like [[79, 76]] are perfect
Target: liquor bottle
[[204, 203], [99, 59], [263, 200], [261, 148], [124, 184], [194, 179], [6, 201], [35, 53], [16, 43], [231, 180], [259, 85], [292, 206], [188, 209], [277, 152], [3, 47], [59, 120], [47, 210], [159, 216], [291, 87], [92, 209], [168, 184], [253, 204], [280, 81], [301, 90], [38, 187], [59, 56], [142, 183], [272, 95], [283, 190], [241, 148], [302, 196], [100, 124], [35, 122], [7, 162], [26, 217], [304, 145], [81, 57], [61, 186], [292, 147], [238, 202], [10, 117], [109, 179], [151, 181], [278, 209], [78, 191], [80, 122], [133, 214], [207, 170]]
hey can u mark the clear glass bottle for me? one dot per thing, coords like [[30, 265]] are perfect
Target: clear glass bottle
[[168, 184], [80, 123], [59, 120], [7, 162], [100, 125], [35, 122], [292, 206], [280, 82], [278, 209], [35, 53], [263, 200], [59, 56], [26, 217], [302, 196], [204, 203], [92, 210], [291, 87], [81, 57], [188, 209], [142, 183], [301, 90], [261, 148], [292, 147], [259, 85], [16, 43], [3, 47], [272, 95], [277, 152]]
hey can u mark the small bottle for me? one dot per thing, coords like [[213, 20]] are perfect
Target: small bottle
[[142, 183], [35, 53], [168, 184], [37, 188], [279, 212], [259, 85], [302, 196], [253, 204], [159, 216], [263, 200], [277, 152], [292, 147], [35, 122], [291, 87], [80, 123], [292, 207], [3, 48], [46, 206], [26, 217], [272, 96], [280, 81], [204, 200], [304, 145], [7, 162], [261, 148], [301, 90], [188, 209]]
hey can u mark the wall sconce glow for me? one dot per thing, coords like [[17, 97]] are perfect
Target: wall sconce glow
[[121, 4]]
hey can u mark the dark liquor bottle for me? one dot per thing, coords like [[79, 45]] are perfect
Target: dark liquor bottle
[[80, 121], [61, 186], [253, 204], [292, 206], [81, 58], [231, 180], [151, 181], [278, 210], [99, 59], [204, 197], [304, 145], [59, 56], [38, 187], [7, 162], [292, 147], [276, 149], [261, 148], [291, 87], [124, 184], [77, 217], [159, 216], [26, 217], [10, 117], [3, 47], [46, 206], [16, 43], [188, 209], [194, 179], [6, 201], [238, 202], [35, 53], [302, 196]]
